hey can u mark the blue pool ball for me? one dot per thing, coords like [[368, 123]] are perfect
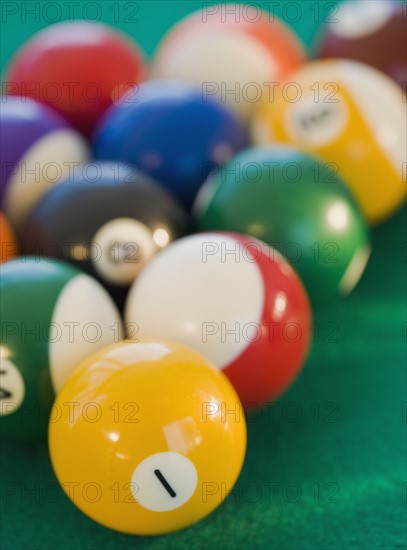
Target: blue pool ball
[[171, 132]]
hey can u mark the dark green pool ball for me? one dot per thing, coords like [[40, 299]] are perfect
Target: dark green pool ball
[[296, 203], [53, 316]]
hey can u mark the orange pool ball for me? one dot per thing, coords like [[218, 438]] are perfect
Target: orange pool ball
[[234, 52], [8, 244]]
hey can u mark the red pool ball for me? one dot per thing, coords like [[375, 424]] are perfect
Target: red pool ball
[[78, 68], [370, 31], [234, 300]]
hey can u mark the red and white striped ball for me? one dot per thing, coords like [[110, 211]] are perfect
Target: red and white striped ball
[[233, 299]]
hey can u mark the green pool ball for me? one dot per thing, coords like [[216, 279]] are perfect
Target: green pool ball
[[52, 317], [296, 203]]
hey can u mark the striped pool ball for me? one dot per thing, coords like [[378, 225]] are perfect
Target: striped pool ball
[[234, 300], [52, 317], [370, 31], [37, 149], [352, 116], [231, 51]]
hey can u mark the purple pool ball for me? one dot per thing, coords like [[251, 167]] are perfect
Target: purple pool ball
[[37, 148]]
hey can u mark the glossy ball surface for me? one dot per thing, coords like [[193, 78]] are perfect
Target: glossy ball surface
[[370, 31], [233, 299], [351, 115], [230, 51], [170, 133], [297, 204], [157, 430], [8, 243], [108, 219], [52, 317], [78, 68], [37, 148]]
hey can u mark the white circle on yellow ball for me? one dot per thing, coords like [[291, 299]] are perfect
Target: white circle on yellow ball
[[317, 121], [124, 246], [164, 481]]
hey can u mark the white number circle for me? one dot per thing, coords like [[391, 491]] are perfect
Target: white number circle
[[124, 245], [164, 481], [317, 122], [12, 389]]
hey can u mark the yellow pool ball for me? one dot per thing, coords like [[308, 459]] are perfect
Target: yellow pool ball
[[354, 117], [147, 438]]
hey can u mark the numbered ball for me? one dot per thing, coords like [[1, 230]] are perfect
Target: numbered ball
[[108, 219], [9, 247], [53, 317], [296, 203], [370, 31], [231, 51], [76, 67], [170, 133], [37, 149], [155, 429], [236, 301], [333, 112]]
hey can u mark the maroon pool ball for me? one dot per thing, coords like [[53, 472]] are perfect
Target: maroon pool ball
[[370, 31]]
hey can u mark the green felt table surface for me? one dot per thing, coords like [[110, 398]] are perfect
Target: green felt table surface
[[326, 464]]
